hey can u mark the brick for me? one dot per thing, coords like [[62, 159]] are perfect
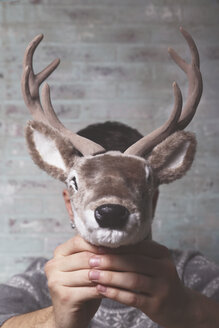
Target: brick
[[35, 185], [149, 12], [54, 206], [64, 110], [114, 34], [22, 167], [146, 54], [21, 244], [67, 72], [84, 90], [35, 225], [116, 73], [76, 53], [114, 66], [51, 242], [204, 13], [79, 15], [20, 206]]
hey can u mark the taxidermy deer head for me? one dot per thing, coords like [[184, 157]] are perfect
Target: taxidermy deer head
[[111, 192]]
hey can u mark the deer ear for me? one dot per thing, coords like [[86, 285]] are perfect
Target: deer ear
[[173, 157], [50, 150]]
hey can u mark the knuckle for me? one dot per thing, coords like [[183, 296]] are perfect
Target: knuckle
[[57, 251], [114, 293], [157, 306], [164, 292], [135, 282], [49, 266], [133, 300], [53, 283], [106, 261], [65, 297], [166, 252], [169, 269], [86, 255], [107, 277], [76, 241], [95, 293]]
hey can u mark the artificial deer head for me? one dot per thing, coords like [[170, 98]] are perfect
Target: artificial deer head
[[111, 191]]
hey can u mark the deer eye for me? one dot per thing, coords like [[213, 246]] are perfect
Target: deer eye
[[73, 184]]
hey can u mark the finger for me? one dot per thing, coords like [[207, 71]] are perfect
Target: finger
[[74, 245], [78, 294], [126, 263], [125, 297], [78, 278], [136, 283], [74, 262]]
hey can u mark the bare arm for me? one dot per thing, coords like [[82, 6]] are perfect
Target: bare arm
[[75, 298], [37, 319]]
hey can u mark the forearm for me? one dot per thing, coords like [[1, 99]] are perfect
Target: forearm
[[200, 312], [37, 319]]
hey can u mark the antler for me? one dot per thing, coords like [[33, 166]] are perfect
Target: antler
[[43, 110], [179, 118]]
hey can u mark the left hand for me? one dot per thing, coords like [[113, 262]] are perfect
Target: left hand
[[143, 276]]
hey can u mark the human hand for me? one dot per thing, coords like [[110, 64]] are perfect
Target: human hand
[[143, 276], [74, 296]]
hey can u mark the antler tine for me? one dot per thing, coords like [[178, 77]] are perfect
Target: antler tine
[[31, 103], [182, 117], [194, 78], [44, 112], [84, 145], [31, 82], [147, 143]]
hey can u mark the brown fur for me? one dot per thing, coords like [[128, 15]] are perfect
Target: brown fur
[[65, 147], [165, 151], [114, 178]]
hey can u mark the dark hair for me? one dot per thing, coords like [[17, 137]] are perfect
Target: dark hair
[[111, 135]]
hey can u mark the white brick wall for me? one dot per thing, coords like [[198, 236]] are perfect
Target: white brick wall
[[114, 66]]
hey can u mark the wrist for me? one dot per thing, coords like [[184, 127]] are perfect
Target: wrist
[[192, 315], [187, 313], [199, 312]]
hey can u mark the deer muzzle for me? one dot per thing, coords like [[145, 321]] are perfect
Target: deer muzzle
[[111, 216]]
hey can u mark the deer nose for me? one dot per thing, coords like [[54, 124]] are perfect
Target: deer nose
[[111, 216]]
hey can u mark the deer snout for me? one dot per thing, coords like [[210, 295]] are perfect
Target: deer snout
[[111, 216]]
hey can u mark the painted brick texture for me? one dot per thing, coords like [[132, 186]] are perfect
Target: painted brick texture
[[115, 66]]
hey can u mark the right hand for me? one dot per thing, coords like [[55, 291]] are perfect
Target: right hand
[[74, 297]]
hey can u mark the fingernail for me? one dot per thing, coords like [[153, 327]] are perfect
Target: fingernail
[[94, 261], [94, 275], [101, 289]]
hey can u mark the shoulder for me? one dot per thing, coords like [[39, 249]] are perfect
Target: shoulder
[[197, 272], [35, 269], [25, 292], [37, 265]]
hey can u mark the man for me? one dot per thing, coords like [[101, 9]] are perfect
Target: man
[[143, 285]]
